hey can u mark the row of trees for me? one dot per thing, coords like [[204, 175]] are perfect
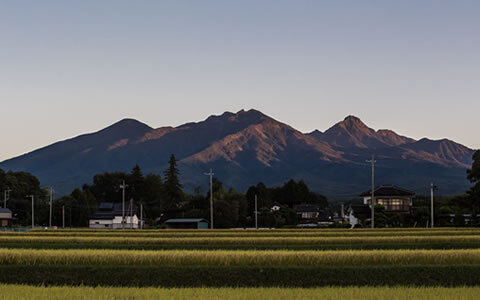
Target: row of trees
[[19, 185], [162, 198]]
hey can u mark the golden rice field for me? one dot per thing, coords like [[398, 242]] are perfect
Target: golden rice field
[[441, 263], [238, 257], [249, 240], [379, 293]]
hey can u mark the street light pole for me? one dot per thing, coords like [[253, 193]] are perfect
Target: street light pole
[[211, 196], [123, 186], [372, 199], [6, 197]]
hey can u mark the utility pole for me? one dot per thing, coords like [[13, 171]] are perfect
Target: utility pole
[[211, 197], [123, 186], [256, 213], [51, 202], [131, 213], [141, 216], [6, 197], [432, 188], [372, 199], [33, 211], [63, 216]]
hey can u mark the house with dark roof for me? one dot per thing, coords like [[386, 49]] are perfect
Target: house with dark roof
[[5, 217], [186, 224], [109, 215], [307, 213], [394, 199]]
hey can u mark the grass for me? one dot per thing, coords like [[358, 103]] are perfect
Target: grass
[[378, 293], [239, 258]]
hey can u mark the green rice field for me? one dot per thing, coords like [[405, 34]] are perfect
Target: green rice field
[[241, 264]]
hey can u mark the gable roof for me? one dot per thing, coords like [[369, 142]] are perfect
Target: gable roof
[[301, 208], [110, 210], [388, 190]]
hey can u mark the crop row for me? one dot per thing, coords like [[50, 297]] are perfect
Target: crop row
[[245, 233], [238, 258], [241, 276], [244, 241], [377, 293]]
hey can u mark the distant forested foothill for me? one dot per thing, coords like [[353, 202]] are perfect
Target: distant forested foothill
[[162, 197]]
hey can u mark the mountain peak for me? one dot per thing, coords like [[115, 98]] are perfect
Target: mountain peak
[[129, 123], [125, 128], [353, 122], [352, 118]]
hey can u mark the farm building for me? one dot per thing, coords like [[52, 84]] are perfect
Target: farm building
[[5, 217], [307, 213], [187, 224], [109, 215]]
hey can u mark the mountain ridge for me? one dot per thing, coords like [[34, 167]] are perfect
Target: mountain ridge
[[249, 142]]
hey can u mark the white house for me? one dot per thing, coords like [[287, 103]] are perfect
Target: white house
[[109, 215], [5, 217]]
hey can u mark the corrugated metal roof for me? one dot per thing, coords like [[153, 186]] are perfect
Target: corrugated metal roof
[[185, 220]]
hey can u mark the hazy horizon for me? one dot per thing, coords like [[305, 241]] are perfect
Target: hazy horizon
[[77, 67]]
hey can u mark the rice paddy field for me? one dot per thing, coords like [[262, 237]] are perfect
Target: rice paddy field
[[241, 264]]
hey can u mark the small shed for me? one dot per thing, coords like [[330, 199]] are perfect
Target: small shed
[[5, 217], [187, 224]]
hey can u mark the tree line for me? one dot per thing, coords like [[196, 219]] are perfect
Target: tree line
[[162, 197]]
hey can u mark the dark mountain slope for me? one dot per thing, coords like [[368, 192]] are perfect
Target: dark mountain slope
[[247, 147]]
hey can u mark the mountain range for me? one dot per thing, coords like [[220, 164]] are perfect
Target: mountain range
[[247, 147]]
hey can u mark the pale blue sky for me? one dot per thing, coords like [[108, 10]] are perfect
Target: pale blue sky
[[71, 67]]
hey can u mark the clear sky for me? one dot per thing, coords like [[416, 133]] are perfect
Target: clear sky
[[70, 67]]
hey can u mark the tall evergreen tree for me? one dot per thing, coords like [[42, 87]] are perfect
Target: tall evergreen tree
[[172, 186], [473, 175], [136, 182]]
